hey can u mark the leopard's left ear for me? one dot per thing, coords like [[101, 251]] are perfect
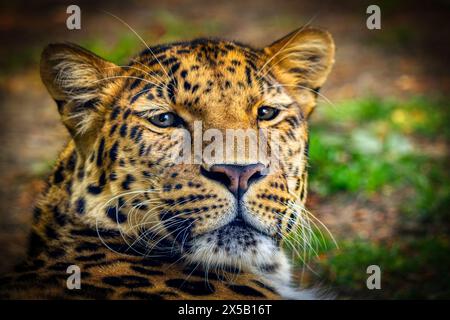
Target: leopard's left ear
[[301, 59]]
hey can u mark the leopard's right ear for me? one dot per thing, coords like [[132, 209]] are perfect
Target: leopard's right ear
[[77, 79], [302, 60]]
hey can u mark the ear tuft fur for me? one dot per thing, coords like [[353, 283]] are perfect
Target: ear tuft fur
[[76, 78], [302, 58]]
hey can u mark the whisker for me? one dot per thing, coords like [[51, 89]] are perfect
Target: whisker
[[286, 44], [140, 38]]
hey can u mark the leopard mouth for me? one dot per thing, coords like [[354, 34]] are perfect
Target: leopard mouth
[[236, 235], [240, 224], [236, 245], [234, 239]]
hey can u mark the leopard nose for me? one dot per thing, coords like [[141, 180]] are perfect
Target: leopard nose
[[236, 178]]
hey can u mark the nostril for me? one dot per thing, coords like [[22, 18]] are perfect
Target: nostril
[[255, 177], [249, 175], [236, 178], [216, 176]]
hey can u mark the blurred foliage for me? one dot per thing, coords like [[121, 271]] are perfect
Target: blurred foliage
[[165, 27], [396, 37], [410, 269], [20, 61], [125, 47], [386, 147]]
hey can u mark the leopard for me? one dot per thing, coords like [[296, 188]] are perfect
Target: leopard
[[132, 221]]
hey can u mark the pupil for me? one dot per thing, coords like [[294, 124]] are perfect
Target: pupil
[[164, 117], [263, 112]]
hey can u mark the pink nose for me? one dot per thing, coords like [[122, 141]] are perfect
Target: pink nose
[[235, 177]]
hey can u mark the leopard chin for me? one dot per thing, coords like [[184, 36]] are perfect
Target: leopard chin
[[236, 245], [237, 248]]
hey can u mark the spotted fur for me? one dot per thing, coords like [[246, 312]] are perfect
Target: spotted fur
[[143, 227]]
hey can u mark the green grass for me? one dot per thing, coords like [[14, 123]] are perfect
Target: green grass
[[125, 47], [410, 269], [390, 148], [377, 146]]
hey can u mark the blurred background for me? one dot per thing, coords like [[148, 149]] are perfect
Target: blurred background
[[379, 161]]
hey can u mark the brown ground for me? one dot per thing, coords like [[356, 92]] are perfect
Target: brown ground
[[379, 63]]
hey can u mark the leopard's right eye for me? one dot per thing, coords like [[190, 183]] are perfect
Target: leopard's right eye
[[166, 120]]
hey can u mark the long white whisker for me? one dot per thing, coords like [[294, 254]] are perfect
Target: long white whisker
[[285, 45], [140, 38]]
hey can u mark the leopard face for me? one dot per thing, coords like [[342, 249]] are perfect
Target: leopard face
[[130, 123]]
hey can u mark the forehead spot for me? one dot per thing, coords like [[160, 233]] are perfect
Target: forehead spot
[[202, 74]]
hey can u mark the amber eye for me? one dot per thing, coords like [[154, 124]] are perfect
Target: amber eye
[[165, 120], [266, 113]]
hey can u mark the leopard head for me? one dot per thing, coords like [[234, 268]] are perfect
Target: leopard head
[[138, 129]]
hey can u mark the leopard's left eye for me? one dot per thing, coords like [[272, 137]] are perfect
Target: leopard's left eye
[[266, 113]]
